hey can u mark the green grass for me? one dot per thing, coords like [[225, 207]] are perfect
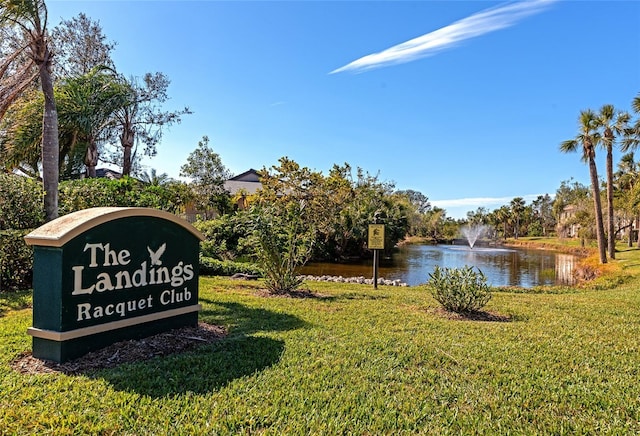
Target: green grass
[[359, 361]]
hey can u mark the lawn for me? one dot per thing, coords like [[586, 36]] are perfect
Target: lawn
[[357, 361]]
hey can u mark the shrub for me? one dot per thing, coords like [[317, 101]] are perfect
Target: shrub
[[21, 209], [16, 261], [85, 193], [21, 202], [215, 267], [124, 192], [460, 290], [282, 243], [223, 237]]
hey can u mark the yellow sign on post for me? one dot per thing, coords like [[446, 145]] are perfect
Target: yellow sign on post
[[376, 237]]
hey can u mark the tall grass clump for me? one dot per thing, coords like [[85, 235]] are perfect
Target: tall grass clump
[[460, 290]]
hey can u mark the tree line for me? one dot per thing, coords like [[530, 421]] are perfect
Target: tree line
[[64, 106], [608, 128]]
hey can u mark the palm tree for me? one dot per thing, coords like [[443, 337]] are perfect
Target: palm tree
[[588, 137], [632, 134], [30, 16], [152, 178], [612, 124], [626, 184], [517, 207], [502, 216], [90, 101]]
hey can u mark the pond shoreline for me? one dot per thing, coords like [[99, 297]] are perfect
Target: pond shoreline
[[357, 280]]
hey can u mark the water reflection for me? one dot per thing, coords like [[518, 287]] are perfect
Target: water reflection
[[502, 266], [564, 268]]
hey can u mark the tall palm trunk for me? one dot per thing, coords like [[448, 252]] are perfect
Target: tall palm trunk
[[611, 235], [30, 16], [50, 147], [593, 172], [126, 140], [42, 57], [91, 157]]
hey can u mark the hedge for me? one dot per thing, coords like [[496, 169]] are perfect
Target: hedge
[[214, 267], [16, 261]]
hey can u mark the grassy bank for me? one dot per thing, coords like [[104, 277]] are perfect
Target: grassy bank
[[356, 361]]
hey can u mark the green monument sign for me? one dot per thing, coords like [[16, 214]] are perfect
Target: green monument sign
[[107, 274]]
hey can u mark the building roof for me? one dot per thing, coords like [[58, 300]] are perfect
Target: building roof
[[249, 182], [248, 176], [107, 173]]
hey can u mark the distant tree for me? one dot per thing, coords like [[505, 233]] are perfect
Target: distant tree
[[569, 193], [141, 120], [584, 219], [207, 173], [588, 138], [543, 212], [501, 216], [630, 141], [153, 178], [478, 217], [437, 226], [418, 199], [631, 138], [338, 207], [627, 194], [80, 46], [517, 207], [418, 209], [30, 17]]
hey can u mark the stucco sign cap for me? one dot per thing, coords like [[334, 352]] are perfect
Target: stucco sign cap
[[58, 232]]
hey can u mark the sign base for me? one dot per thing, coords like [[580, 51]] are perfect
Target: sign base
[[47, 348]]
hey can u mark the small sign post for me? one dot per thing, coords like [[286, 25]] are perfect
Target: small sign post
[[376, 243]]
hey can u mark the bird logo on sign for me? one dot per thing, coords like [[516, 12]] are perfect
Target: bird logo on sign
[[155, 255]]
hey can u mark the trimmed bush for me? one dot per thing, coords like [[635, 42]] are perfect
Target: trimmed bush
[[215, 267], [460, 290], [21, 202], [125, 192], [224, 237], [16, 261], [21, 209]]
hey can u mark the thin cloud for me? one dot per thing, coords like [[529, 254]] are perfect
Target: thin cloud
[[473, 26]]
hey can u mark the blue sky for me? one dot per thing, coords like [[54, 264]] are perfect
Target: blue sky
[[464, 101]]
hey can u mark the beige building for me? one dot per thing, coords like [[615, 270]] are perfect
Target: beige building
[[242, 186]]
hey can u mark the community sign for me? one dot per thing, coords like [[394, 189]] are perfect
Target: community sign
[[107, 274]]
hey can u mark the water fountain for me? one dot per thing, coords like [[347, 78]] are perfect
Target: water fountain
[[472, 233]]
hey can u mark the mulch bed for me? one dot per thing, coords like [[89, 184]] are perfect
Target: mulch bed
[[298, 293], [472, 316], [162, 344]]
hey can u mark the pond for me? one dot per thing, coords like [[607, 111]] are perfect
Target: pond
[[502, 266]]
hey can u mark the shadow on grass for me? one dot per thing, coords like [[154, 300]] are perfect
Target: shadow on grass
[[211, 366], [360, 296], [240, 319], [204, 370], [17, 300], [478, 315]]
